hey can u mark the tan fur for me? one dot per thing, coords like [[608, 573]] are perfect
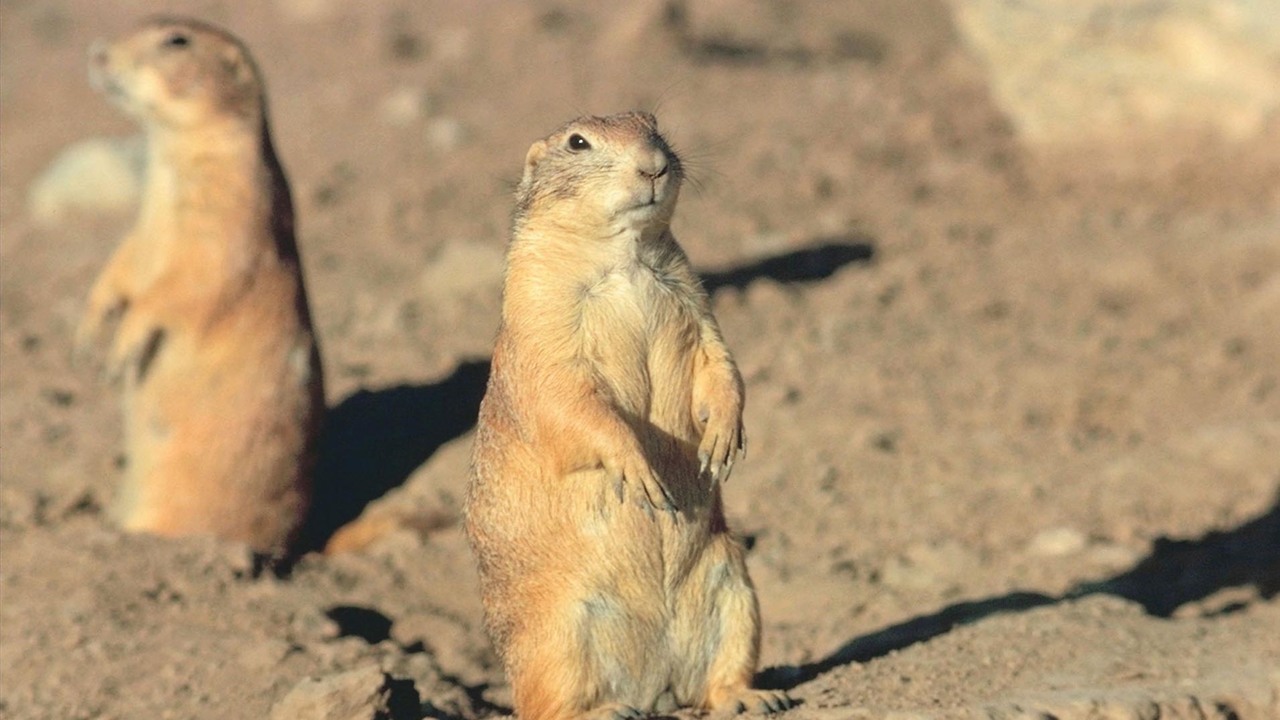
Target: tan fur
[[611, 584], [212, 338]]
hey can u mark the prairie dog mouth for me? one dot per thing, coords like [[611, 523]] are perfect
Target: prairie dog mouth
[[654, 191], [646, 200]]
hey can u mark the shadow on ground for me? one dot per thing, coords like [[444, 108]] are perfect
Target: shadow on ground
[[818, 261], [374, 439], [1177, 572]]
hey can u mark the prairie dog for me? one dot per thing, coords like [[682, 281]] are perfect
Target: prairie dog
[[203, 301], [612, 587]]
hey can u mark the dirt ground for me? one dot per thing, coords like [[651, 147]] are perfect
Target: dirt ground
[[1014, 410]]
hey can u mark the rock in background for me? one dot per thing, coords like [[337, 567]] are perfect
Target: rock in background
[[98, 175], [1072, 70]]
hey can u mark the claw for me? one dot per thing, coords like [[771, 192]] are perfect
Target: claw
[[667, 503], [767, 702], [704, 458]]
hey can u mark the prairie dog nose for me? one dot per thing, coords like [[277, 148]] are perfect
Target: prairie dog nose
[[654, 165]]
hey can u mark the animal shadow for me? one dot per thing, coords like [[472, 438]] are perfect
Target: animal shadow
[[1177, 572], [374, 439], [819, 261]]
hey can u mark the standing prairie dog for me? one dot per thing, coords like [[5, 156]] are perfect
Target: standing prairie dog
[[611, 584], [212, 342]]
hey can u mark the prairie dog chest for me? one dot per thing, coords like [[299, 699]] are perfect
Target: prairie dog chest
[[637, 334]]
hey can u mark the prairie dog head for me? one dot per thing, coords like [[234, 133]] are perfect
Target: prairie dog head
[[601, 176], [178, 74]]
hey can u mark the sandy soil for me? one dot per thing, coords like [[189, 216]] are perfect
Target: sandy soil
[[1015, 411]]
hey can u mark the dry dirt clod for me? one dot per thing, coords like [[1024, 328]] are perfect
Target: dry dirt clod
[[363, 694]]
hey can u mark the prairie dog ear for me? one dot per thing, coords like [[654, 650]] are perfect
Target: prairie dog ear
[[536, 152]]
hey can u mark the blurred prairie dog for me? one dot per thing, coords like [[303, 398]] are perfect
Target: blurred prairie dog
[[611, 584], [203, 302]]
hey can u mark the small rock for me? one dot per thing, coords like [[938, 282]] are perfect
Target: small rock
[[308, 10], [101, 175], [342, 652], [363, 694], [404, 106], [1056, 542], [312, 625], [1065, 68], [446, 134]]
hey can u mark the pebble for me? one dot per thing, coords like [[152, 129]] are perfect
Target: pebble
[[405, 106], [99, 175], [1057, 542], [362, 694], [308, 10]]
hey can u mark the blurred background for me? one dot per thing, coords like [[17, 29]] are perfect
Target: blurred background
[[1003, 279]]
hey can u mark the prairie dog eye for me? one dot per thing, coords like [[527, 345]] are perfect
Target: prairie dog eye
[[577, 143], [177, 40]]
